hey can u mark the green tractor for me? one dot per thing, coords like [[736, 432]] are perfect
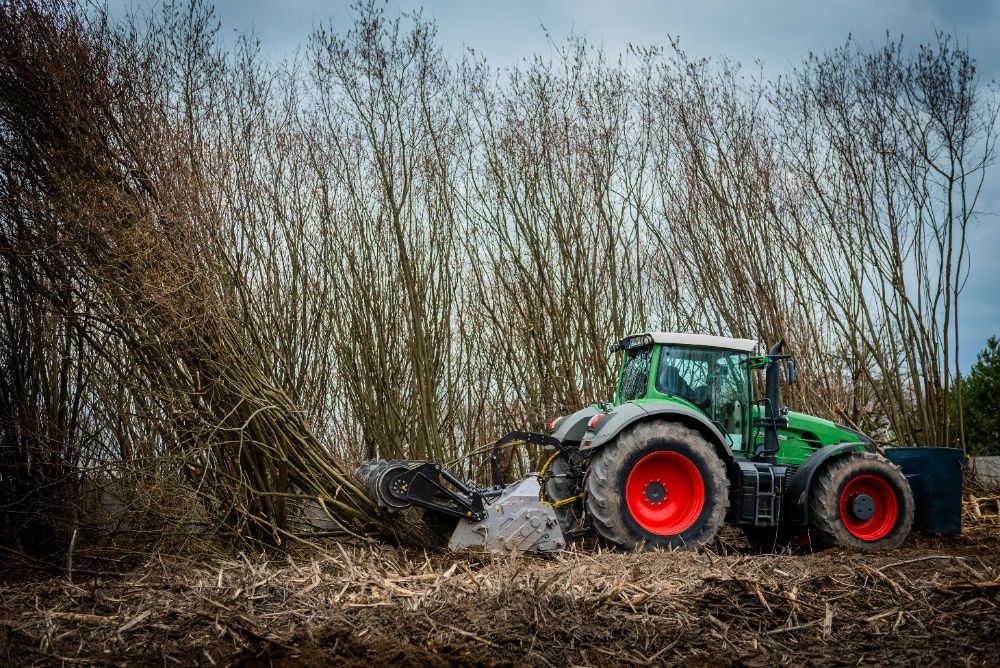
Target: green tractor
[[683, 448]]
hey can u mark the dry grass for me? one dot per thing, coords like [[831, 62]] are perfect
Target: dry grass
[[935, 601]]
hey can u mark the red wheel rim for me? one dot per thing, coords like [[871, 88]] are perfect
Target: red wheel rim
[[885, 509], [665, 493]]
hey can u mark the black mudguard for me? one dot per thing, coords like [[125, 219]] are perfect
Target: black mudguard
[[571, 428]]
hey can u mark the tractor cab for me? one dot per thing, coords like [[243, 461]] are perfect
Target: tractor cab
[[710, 374], [713, 375]]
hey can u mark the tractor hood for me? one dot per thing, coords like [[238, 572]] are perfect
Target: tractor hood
[[826, 432]]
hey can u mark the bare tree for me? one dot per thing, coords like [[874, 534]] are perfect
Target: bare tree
[[223, 277]]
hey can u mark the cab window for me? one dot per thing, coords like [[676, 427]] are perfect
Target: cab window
[[713, 380], [635, 374]]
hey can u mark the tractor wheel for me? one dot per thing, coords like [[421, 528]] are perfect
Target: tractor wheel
[[659, 484], [861, 501]]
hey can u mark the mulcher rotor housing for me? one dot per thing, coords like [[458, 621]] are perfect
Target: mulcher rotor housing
[[682, 448]]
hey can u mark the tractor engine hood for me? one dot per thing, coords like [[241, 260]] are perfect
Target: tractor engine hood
[[826, 431]]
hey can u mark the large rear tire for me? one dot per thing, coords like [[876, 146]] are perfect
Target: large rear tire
[[659, 484], [861, 501]]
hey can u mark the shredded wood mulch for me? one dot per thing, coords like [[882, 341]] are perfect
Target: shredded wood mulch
[[935, 601]]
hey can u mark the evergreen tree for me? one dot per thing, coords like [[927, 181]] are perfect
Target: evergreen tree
[[981, 401]]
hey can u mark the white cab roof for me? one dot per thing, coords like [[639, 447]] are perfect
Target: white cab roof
[[704, 340]]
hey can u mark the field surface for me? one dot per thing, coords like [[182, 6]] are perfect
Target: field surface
[[937, 601]]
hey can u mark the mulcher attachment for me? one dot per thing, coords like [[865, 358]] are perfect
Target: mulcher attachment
[[499, 519]]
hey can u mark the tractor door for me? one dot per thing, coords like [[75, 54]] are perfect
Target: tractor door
[[713, 380]]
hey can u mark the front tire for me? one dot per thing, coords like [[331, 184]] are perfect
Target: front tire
[[861, 501], [659, 484]]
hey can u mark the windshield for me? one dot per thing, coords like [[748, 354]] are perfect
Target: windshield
[[713, 380], [635, 374]]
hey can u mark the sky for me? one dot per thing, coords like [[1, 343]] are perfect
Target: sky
[[776, 33]]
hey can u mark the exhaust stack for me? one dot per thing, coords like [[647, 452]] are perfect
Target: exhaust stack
[[774, 413]]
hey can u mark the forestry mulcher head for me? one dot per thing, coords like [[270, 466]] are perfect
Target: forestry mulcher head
[[691, 441], [498, 519]]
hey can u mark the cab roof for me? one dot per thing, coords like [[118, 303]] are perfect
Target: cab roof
[[703, 340]]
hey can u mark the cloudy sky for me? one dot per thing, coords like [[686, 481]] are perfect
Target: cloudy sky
[[777, 33]]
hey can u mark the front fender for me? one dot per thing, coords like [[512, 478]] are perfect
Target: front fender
[[797, 494]]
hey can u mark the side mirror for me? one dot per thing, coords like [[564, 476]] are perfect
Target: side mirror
[[790, 370]]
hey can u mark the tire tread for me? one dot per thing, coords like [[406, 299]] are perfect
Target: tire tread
[[603, 498], [824, 502]]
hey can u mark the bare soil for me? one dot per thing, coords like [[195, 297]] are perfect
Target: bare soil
[[937, 601]]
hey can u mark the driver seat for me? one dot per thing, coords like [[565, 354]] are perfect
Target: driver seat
[[673, 382]]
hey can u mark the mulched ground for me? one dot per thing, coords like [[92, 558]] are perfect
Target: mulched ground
[[935, 601]]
